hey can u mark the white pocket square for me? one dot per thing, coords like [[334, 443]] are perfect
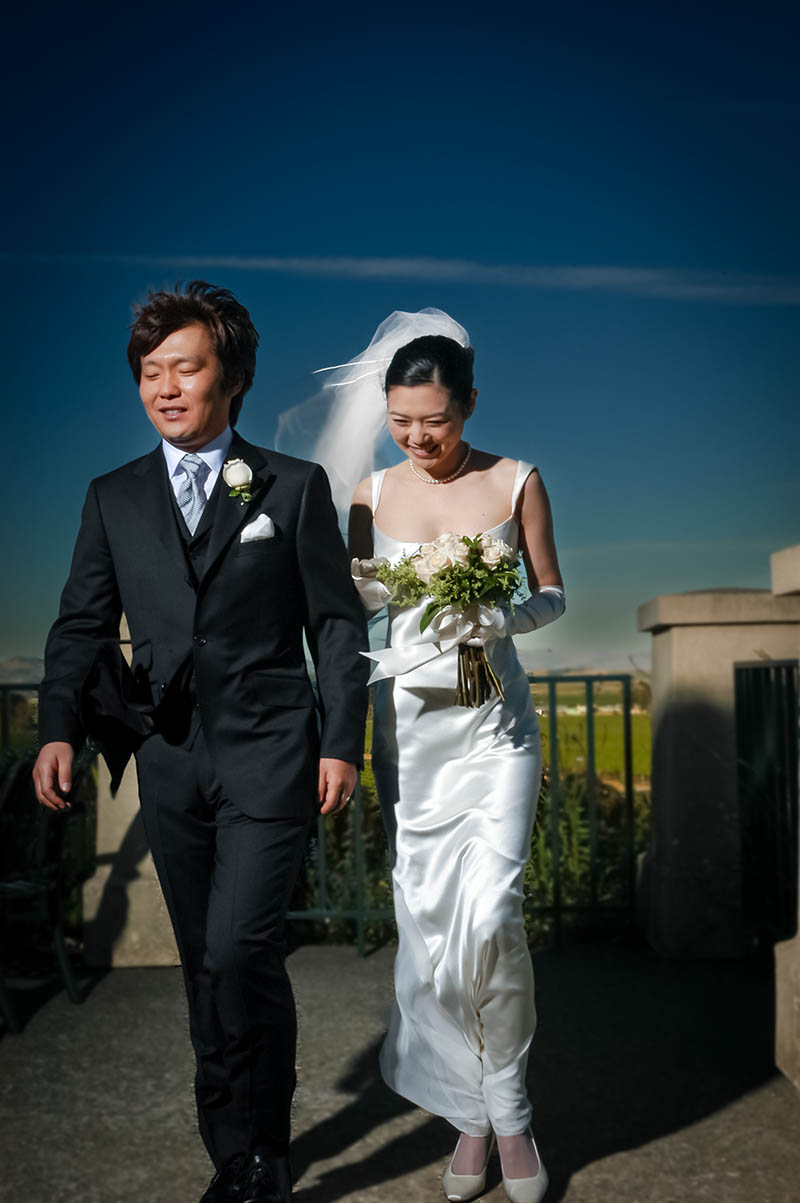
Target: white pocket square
[[261, 527]]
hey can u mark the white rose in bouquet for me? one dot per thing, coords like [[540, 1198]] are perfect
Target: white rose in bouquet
[[458, 551], [453, 547], [427, 566], [495, 551]]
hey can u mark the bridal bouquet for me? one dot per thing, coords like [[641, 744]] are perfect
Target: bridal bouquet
[[465, 580]]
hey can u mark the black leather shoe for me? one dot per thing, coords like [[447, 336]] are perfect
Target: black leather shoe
[[226, 1185], [267, 1179]]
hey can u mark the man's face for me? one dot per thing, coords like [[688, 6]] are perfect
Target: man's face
[[183, 391]]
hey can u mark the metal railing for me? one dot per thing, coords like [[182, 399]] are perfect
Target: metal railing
[[767, 741], [326, 909], [350, 901], [348, 878], [559, 905]]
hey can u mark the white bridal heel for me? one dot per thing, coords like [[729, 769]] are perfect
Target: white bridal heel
[[527, 1190], [459, 1187]]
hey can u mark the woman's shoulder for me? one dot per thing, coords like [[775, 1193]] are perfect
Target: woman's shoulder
[[515, 479], [503, 469], [362, 494]]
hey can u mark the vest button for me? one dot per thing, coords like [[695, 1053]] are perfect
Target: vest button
[[200, 641]]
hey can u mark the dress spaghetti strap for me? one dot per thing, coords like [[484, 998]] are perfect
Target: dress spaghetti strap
[[377, 485], [523, 472]]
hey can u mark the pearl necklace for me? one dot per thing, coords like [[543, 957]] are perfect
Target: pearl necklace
[[442, 480]]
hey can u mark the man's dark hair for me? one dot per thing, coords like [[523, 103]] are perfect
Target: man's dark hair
[[434, 359], [233, 335]]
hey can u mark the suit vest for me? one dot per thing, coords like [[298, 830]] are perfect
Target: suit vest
[[180, 703], [196, 545]]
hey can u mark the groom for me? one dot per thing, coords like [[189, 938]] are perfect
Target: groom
[[222, 556]]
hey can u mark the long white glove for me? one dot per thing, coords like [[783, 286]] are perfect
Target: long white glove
[[373, 593], [543, 606]]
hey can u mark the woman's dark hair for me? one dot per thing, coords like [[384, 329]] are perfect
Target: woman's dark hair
[[233, 335], [434, 359]]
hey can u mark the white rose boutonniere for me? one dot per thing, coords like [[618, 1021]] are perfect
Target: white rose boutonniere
[[238, 476]]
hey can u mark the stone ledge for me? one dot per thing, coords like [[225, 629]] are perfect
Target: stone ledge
[[717, 607]]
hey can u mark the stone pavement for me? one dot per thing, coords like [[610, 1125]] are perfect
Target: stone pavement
[[652, 1083]]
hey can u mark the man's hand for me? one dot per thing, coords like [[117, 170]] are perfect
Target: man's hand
[[337, 780], [52, 775]]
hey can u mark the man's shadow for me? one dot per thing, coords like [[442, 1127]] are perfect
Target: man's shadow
[[628, 1049], [111, 918], [33, 975]]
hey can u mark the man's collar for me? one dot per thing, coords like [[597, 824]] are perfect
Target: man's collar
[[213, 453]]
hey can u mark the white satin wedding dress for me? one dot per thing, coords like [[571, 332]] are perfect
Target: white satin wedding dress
[[458, 790]]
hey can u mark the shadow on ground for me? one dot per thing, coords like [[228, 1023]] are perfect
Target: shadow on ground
[[32, 979], [372, 1106], [628, 1049]]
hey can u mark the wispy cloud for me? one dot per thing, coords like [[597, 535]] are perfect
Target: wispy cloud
[[663, 547], [735, 288]]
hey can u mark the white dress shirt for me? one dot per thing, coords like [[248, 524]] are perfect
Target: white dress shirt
[[212, 454]]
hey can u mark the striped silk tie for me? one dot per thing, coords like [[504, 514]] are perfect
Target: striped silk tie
[[191, 495]]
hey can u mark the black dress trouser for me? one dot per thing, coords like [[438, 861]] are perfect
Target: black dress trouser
[[227, 880]]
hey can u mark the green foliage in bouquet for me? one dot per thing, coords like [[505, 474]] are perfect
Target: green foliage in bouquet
[[463, 585], [457, 584], [407, 588]]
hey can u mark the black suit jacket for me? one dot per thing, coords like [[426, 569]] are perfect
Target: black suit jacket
[[236, 628]]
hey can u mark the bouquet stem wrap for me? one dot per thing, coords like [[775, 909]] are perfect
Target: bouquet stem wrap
[[448, 629], [476, 677]]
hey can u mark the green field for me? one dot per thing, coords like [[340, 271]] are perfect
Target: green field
[[608, 733], [608, 743], [604, 691]]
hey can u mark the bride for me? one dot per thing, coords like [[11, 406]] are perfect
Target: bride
[[458, 787]]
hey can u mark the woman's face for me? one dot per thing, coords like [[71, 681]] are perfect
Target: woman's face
[[426, 423]]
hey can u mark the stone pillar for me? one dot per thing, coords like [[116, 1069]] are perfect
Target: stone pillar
[[787, 1008], [691, 878], [125, 919], [786, 582], [785, 571]]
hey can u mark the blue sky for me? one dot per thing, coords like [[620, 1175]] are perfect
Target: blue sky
[[606, 196]]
